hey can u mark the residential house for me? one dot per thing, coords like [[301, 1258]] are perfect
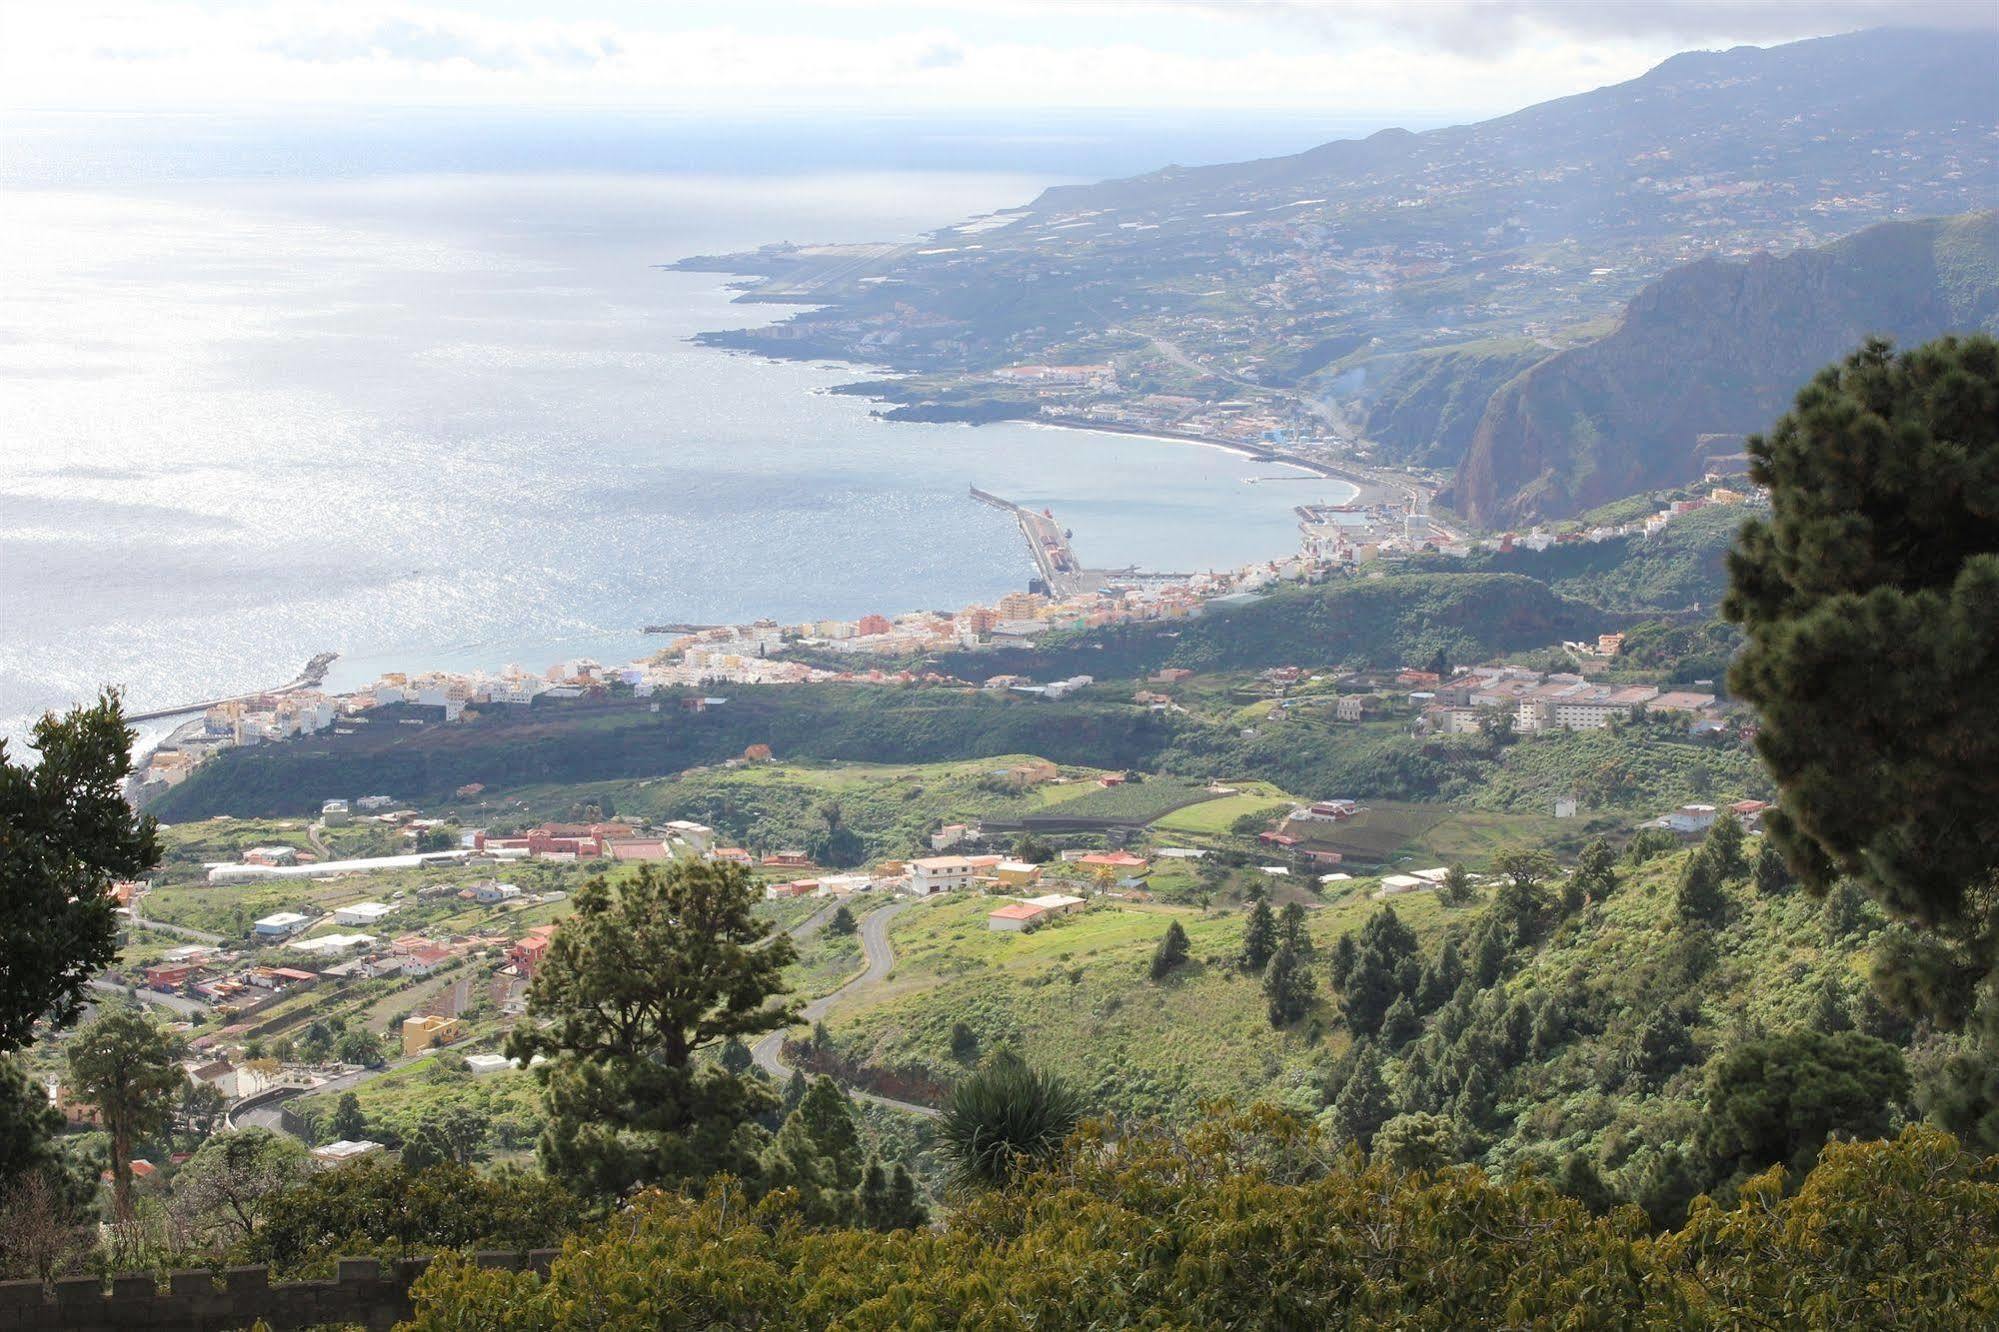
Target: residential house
[[1026, 915], [282, 925], [528, 951], [1689, 820], [1017, 873], [429, 1032], [937, 874], [425, 961], [361, 913], [1122, 862]]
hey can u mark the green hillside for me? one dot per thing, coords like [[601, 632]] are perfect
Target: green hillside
[[1565, 1036]]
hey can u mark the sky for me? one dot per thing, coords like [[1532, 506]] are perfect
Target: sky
[[757, 57]]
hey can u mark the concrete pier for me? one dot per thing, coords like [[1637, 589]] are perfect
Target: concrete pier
[[1055, 559], [309, 678]]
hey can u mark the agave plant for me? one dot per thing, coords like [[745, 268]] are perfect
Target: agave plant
[[1005, 1119]]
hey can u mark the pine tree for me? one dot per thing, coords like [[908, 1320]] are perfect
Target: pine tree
[[1400, 1025], [1489, 953], [1441, 977], [1772, 875], [1829, 1009], [818, 1153], [1867, 602], [1259, 937], [794, 1091], [1665, 1046], [348, 1124], [1700, 899], [1363, 1104], [1291, 929], [1474, 1102], [1387, 964], [124, 1064], [643, 977], [1596, 870], [874, 1196], [66, 834], [1171, 952], [905, 1208], [1287, 983], [1344, 954], [1456, 890], [1724, 842], [1578, 1178]]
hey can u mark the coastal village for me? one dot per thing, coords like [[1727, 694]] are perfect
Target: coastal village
[[1351, 540]]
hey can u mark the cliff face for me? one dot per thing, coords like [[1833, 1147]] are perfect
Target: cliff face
[[1428, 405], [1715, 347]]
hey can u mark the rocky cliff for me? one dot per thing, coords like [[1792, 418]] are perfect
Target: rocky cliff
[[1715, 347]]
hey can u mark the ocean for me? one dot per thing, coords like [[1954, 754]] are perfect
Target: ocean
[[416, 391]]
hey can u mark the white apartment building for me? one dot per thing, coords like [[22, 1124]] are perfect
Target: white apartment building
[[939, 874]]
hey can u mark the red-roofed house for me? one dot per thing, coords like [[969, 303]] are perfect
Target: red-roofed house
[[424, 961], [528, 951], [1117, 860]]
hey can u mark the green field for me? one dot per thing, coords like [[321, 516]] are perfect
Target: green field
[[1130, 805], [1217, 817]]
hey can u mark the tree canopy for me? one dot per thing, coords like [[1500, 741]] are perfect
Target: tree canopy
[[1259, 1222], [1868, 598], [66, 834], [644, 976], [126, 1065]]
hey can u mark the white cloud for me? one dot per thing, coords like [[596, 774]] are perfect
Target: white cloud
[[1491, 26], [1449, 55]]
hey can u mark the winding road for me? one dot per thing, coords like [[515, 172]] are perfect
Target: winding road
[[880, 959]]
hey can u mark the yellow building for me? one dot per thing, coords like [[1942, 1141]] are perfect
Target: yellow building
[[424, 1033], [1017, 873]]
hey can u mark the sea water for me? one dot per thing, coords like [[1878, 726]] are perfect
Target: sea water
[[431, 402]]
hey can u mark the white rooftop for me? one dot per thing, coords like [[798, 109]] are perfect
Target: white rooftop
[[332, 943], [346, 1149]]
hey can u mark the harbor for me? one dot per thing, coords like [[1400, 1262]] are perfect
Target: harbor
[[311, 677], [1057, 569]]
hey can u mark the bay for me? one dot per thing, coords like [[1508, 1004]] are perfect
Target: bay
[[452, 418]]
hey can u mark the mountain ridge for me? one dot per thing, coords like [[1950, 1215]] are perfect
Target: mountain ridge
[[1717, 346]]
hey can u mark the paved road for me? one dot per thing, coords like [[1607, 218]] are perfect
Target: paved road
[[880, 959]]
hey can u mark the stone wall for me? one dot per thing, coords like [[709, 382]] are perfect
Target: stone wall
[[372, 1294]]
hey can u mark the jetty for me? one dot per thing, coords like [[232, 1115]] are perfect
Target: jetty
[[679, 628], [311, 677], [1055, 562]]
